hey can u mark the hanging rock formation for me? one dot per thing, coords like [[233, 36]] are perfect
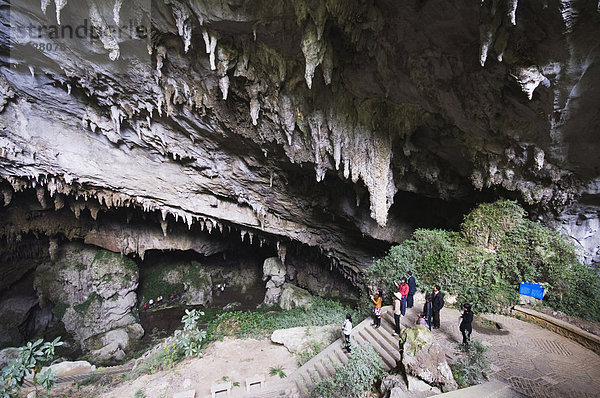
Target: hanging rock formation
[[309, 125]]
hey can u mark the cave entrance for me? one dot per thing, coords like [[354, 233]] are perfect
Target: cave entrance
[[231, 280]]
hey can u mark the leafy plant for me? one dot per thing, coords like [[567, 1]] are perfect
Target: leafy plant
[[313, 347], [278, 371], [496, 248], [472, 368], [191, 339], [360, 374], [29, 361]]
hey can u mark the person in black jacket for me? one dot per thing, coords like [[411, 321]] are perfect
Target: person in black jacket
[[427, 311], [412, 289], [437, 302], [465, 324]]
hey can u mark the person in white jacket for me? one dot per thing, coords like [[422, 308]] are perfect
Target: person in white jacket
[[346, 330]]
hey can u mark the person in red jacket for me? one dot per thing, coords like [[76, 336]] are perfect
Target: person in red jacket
[[403, 289]]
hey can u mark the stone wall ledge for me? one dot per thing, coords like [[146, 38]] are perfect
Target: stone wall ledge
[[586, 339]]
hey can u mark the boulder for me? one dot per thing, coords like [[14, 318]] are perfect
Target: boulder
[[424, 358], [108, 354], [394, 384], [297, 339], [198, 291], [274, 268], [7, 354], [272, 294], [70, 368], [293, 296], [418, 385]]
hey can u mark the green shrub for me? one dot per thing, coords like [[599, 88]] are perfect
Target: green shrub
[[31, 358], [484, 263], [313, 347], [359, 375], [187, 342], [260, 324], [278, 371], [473, 366], [191, 339]]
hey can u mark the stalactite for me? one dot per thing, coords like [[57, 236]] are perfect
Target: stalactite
[[117, 11], [486, 41], [281, 252], [183, 24], [512, 11], [253, 91], [105, 34], [44, 5], [210, 42], [60, 4], [164, 224], [313, 50]]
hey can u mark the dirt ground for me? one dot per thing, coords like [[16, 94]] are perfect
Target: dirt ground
[[233, 359]]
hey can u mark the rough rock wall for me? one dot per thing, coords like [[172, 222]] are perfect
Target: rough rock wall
[[306, 120]]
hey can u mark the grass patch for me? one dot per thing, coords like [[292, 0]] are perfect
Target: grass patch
[[278, 371], [260, 324]]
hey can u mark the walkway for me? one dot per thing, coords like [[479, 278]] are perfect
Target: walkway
[[532, 360]]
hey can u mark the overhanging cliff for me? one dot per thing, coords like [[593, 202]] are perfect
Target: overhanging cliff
[[336, 125]]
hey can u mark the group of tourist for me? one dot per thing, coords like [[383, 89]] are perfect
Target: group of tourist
[[173, 298], [403, 299]]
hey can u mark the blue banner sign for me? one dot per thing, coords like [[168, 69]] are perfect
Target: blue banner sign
[[535, 290]]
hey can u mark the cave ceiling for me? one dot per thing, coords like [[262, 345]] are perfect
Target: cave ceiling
[[339, 125]]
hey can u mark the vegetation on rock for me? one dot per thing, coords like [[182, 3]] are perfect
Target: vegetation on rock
[[472, 368], [485, 261], [31, 357]]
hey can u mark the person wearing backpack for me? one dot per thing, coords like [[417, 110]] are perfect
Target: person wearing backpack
[[437, 302]]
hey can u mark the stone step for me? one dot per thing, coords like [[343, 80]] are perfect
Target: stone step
[[303, 384], [491, 389], [380, 338], [387, 361]]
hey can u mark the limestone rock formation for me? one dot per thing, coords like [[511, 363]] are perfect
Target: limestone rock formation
[[318, 132], [297, 339], [7, 354], [293, 296], [424, 360], [306, 123], [274, 273], [92, 291]]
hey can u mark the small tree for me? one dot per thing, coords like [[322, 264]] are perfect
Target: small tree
[[190, 340], [30, 358]]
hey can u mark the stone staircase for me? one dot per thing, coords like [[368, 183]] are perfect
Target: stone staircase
[[323, 365]]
